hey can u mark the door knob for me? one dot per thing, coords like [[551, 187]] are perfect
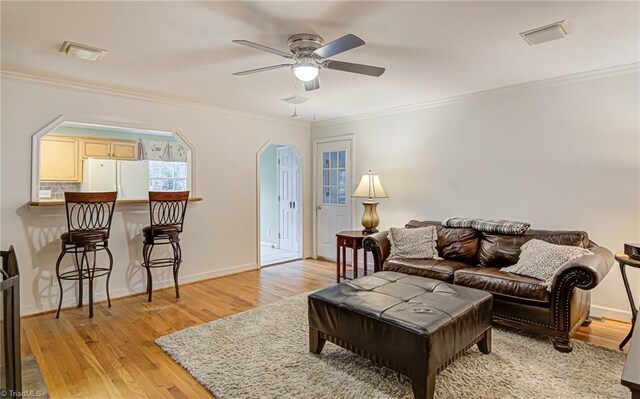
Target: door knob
[[319, 207]]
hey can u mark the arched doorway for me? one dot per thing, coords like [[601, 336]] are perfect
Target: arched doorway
[[280, 197]]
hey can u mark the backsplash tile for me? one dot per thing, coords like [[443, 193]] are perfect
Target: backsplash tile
[[58, 189]]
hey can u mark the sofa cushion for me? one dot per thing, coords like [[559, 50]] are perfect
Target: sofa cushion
[[439, 269], [498, 282], [501, 250], [456, 244]]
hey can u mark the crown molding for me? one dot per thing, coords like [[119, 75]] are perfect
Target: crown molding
[[96, 89], [104, 90], [555, 81]]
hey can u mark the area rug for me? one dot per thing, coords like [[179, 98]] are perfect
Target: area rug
[[263, 353], [32, 381]]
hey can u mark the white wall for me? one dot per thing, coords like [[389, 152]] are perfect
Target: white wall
[[560, 155], [220, 234], [563, 156], [269, 195]]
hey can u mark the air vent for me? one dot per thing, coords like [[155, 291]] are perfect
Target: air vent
[[547, 33], [82, 51], [296, 100]]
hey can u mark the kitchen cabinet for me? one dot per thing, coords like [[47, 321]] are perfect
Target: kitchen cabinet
[[109, 149], [124, 150], [95, 148], [60, 159]]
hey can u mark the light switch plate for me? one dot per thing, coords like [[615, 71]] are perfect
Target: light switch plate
[[45, 194]]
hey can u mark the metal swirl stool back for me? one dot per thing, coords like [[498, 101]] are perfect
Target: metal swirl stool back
[[89, 218], [167, 211]]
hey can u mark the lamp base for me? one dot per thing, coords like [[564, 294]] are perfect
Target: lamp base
[[370, 219]]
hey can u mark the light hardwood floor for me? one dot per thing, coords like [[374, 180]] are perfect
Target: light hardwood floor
[[114, 355], [272, 256]]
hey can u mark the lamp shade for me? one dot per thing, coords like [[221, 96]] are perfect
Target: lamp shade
[[370, 187]]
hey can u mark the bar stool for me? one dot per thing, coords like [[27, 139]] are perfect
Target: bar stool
[[88, 226], [166, 210]]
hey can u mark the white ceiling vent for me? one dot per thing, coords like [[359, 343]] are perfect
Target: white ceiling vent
[[296, 100], [82, 51], [547, 33]]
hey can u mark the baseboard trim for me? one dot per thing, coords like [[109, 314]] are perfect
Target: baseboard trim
[[268, 244], [139, 288], [610, 313]]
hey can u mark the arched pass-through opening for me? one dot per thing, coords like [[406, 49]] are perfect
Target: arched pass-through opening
[[69, 155], [280, 186]]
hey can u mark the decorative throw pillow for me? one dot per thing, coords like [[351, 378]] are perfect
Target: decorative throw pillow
[[413, 243], [500, 226], [542, 260], [457, 221], [488, 226]]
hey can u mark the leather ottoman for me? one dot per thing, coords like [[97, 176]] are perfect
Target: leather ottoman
[[414, 325]]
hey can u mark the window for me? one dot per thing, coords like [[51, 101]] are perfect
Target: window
[[167, 176], [334, 178]]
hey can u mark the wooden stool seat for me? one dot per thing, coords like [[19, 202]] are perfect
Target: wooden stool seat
[[85, 237], [152, 232]]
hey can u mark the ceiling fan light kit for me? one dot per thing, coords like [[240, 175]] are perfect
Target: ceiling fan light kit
[[310, 55], [306, 70]]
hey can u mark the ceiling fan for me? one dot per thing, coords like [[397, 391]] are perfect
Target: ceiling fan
[[309, 55]]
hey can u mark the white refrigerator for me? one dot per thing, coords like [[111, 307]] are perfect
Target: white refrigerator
[[129, 178]]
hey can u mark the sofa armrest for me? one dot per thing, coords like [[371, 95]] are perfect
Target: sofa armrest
[[379, 246], [584, 272]]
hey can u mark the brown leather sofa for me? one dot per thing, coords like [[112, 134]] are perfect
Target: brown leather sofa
[[473, 259]]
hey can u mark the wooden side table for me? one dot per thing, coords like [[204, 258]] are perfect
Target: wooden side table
[[349, 239], [626, 260]]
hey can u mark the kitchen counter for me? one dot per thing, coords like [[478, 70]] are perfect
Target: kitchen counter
[[118, 202]]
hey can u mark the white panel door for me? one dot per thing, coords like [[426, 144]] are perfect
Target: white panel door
[[295, 193], [334, 195], [286, 198]]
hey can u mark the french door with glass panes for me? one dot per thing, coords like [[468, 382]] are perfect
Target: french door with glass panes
[[334, 194]]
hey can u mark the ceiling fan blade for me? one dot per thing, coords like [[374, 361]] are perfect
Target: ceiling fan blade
[[269, 68], [312, 85], [338, 46], [355, 68], [263, 48]]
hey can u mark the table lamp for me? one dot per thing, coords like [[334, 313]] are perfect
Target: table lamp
[[370, 187]]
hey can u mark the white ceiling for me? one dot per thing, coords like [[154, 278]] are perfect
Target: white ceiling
[[431, 50]]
